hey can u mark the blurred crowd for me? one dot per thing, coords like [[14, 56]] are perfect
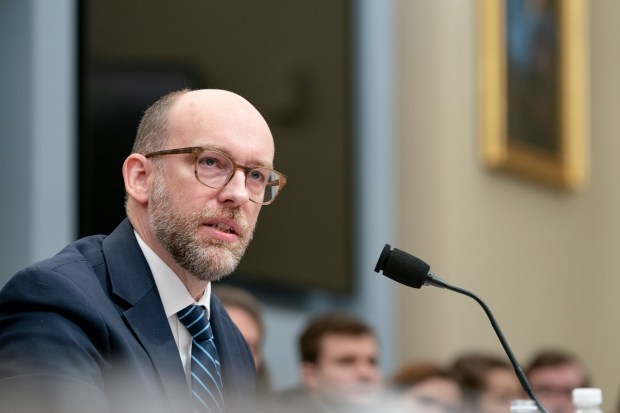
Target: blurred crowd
[[339, 372]]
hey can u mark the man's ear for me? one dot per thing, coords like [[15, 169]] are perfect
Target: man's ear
[[136, 172], [308, 375]]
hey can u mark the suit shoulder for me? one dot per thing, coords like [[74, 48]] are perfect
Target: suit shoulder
[[87, 250], [78, 266]]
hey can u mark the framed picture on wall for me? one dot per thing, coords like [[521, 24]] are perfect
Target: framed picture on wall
[[534, 99]]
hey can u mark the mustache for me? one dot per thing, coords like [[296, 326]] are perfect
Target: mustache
[[232, 214]]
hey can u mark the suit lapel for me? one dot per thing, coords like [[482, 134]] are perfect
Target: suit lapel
[[231, 347], [145, 319], [132, 281], [236, 359]]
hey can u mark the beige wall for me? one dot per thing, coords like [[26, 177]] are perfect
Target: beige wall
[[545, 261]]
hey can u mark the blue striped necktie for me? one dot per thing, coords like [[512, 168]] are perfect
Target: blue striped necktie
[[207, 389]]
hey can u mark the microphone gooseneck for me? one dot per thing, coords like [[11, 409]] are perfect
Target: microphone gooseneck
[[411, 271]]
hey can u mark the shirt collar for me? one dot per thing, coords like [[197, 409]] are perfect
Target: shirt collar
[[173, 293]]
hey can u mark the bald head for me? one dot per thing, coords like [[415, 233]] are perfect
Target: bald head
[[210, 115], [202, 109]]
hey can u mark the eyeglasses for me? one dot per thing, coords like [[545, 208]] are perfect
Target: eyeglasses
[[215, 169]]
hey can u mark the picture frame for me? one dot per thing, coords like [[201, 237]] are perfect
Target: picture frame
[[534, 96]]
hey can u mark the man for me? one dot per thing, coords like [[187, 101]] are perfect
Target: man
[[103, 326], [339, 366], [426, 387], [246, 312], [488, 382], [553, 374]]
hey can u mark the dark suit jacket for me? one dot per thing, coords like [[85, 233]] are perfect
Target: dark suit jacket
[[85, 331]]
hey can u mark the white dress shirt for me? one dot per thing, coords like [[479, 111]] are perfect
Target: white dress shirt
[[174, 297]]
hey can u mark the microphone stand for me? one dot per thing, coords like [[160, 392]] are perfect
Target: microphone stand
[[438, 282]]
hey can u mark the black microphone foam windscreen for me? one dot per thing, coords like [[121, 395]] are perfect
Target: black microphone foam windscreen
[[402, 267]]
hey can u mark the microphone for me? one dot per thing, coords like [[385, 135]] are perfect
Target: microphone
[[406, 269], [411, 271]]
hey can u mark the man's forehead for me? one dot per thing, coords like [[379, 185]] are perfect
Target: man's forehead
[[560, 371], [338, 343]]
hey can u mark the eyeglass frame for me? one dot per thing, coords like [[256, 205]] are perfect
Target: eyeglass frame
[[197, 150]]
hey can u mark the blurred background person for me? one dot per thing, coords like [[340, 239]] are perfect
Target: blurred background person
[[553, 374], [246, 312], [425, 387], [488, 382], [339, 367]]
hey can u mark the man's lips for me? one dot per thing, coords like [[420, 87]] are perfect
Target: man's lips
[[226, 226]]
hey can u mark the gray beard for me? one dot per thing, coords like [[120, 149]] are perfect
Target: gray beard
[[206, 259]]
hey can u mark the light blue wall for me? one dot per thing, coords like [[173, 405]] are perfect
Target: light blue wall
[[15, 132], [37, 129]]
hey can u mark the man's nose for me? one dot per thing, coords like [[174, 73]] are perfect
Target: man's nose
[[368, 371], [235, 191]]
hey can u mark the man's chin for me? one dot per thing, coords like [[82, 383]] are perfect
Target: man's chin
[[357, 399], [219, 262], [364, 400]]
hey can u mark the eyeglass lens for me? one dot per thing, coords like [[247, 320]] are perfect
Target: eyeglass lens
[[214, 169]]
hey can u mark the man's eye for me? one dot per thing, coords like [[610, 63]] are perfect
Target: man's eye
[[256, 175], [208, 161]]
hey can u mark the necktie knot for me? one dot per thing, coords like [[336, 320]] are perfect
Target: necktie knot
[[194, 318]]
